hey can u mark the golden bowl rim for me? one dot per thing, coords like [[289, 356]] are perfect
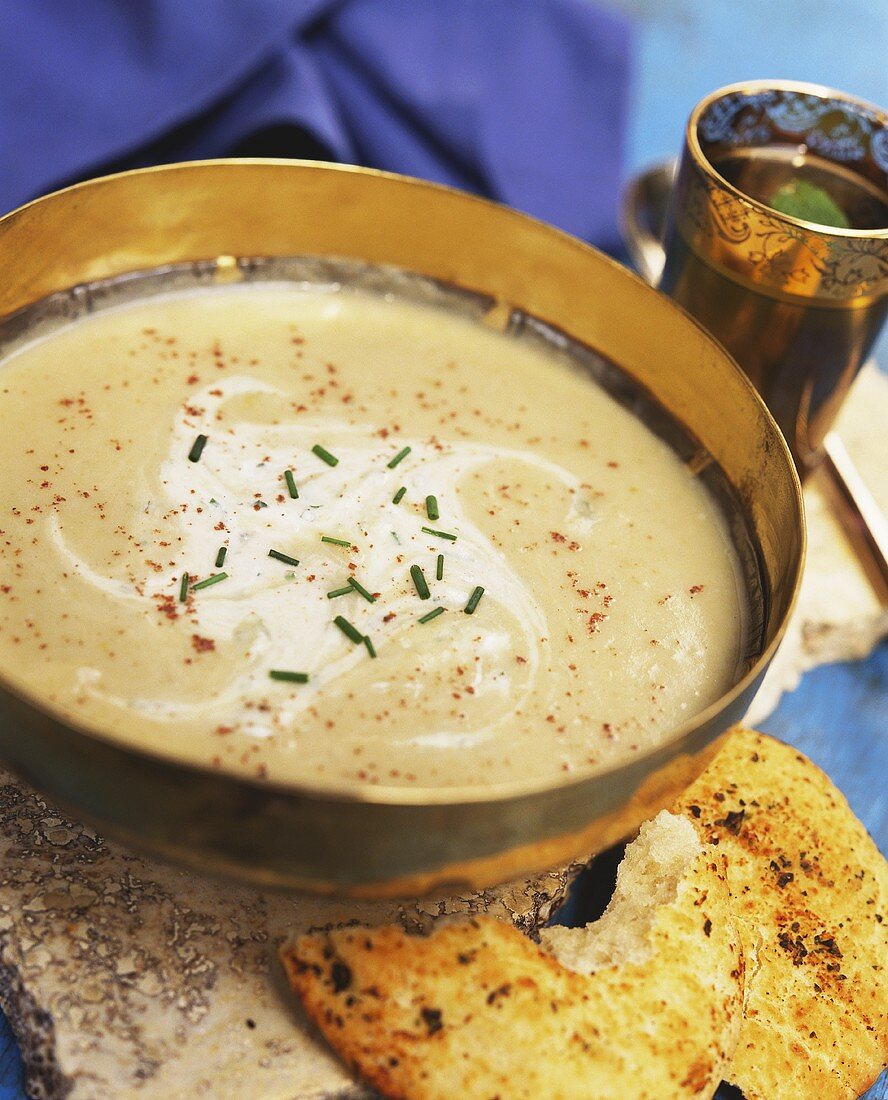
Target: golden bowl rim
[[395, 796]]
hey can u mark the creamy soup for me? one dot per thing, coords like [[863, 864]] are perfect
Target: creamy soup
[[333, 537]]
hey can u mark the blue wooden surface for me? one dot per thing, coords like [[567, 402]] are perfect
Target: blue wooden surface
[[839, 717], [11, 1076], [839, 714]]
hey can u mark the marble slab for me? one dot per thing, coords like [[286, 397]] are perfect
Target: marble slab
[[123, 977]]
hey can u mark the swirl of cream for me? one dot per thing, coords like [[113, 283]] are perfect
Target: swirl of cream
[[283, 621]]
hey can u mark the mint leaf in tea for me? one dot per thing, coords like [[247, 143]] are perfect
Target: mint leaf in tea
[[800, 199], [797, 182]]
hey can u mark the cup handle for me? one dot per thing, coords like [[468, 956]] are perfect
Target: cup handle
[[643, 219]]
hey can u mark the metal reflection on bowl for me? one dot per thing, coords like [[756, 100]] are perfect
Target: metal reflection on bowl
[[205, 221]]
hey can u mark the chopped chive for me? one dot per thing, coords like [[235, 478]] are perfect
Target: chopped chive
[[335, 542], [291, 677], [432, 615], [399, 457], [432, 508], [348, 630], [291, 484], [260, 504], [440, 534], [422, 589], [183, 588], [220, 556], [439, 568], [324, 455], [197, 448], [285, 558], [474, 600], [347, 591], [369, 646], [399, 496], [216, 577], [358, 587]]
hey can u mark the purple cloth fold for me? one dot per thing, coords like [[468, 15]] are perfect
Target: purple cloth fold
[[523, 101]]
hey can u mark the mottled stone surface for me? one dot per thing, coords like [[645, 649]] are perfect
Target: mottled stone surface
[[127, 977]]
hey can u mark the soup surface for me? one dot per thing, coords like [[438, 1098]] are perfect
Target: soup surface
[[611, 606]]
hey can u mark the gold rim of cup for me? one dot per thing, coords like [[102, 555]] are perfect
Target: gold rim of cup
[[755, 245]]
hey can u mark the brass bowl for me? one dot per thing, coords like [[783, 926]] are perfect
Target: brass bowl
[[395, 841]]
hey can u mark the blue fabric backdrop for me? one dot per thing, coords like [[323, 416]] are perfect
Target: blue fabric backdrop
[[520, 100]]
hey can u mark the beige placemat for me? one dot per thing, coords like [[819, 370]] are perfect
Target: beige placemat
[[838, 617]]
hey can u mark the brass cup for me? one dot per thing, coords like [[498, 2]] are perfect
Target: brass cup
[[798, 305], [360, 840]]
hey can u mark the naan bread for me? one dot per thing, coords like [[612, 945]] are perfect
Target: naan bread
[[810, 893], [477, 1010], [644, 1002]]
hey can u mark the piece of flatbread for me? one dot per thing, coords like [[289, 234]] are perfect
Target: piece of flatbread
[[477, 1010], [810, 892]]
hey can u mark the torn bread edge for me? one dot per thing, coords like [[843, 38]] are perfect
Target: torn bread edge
[[648, 1002]]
